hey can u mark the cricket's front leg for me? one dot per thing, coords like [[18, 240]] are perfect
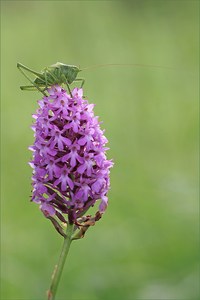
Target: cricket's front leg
[[81, 80]]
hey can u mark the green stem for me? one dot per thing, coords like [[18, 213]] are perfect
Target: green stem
[[59, 267]]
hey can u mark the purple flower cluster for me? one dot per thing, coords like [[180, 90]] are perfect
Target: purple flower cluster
[[70, 169]]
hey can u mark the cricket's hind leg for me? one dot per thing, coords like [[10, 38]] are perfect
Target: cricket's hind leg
[[28, 88], [21, 69]]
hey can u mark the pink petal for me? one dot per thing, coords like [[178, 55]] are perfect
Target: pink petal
[[103, 205], [66, 141], [70, 183], [47, 209], [81, 169], [82, 141]]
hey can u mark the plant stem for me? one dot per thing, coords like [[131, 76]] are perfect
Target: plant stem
[[59, 267]]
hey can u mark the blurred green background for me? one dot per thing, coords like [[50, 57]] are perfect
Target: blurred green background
[[146, 245]]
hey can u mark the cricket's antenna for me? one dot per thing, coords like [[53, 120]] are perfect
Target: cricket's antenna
[[130, 65]]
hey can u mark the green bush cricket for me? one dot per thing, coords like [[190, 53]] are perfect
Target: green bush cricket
[[58, 73]]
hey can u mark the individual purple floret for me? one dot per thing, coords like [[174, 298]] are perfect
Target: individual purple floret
[[70, 168]]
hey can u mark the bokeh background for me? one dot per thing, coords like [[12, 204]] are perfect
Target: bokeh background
[[146, 245]]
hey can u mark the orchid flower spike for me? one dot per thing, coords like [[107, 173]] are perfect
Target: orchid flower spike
[[70, 168]]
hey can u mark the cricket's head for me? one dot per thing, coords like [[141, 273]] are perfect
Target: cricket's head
[[70, 71]]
